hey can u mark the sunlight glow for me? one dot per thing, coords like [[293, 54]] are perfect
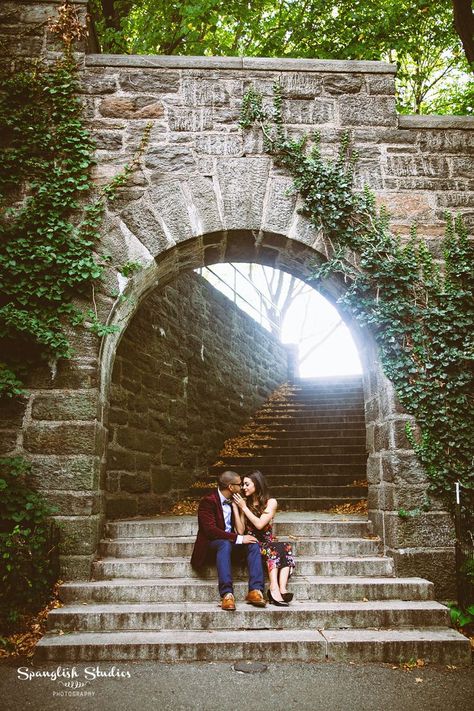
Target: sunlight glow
[[303, 316]]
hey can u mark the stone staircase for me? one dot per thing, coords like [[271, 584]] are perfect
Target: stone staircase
[[309, 441], [146, 602]]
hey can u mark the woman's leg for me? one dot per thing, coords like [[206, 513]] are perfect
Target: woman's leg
[[283, 579], [274, 588]]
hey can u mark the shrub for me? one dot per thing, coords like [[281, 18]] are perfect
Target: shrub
[[28, 546]]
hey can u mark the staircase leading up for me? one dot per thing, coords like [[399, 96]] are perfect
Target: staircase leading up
[[146, 602], [308, 440]]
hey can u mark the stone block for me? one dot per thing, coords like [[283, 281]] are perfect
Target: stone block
[[343, 83], [121, 507], [8, 439], [73, 473], [135, 439], [203, 204], [402, 468], [462, 166], [170, 159], [298, 86], [144, 224], [107, 140], [305, 112], [242, 184], [135, 483], [75, 567], [11, 413], [169, 202], [203, 92], [78, 535], [130, 108], [65, 406], [433, 564], [367, 111], [75, 503], [161, 479], [374, 470], [280, 205], [381, 84], [412, 166], [46, 438], [425, 530], [155, 81], [408, 207], [217, 144]]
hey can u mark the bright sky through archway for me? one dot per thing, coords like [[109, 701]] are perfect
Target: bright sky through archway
[[324, 342]]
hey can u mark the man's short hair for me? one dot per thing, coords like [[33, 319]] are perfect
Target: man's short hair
[[226, 478]]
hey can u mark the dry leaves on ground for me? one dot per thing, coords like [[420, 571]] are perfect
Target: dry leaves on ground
[[22, 644], [184, 507], [359, 507]]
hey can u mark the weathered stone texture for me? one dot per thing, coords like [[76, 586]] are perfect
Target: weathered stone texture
[[190, 369]]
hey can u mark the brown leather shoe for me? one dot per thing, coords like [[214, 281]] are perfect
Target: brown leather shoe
[[228, 602], [255, 597]]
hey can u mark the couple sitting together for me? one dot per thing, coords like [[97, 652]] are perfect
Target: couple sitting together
[[230, 522]]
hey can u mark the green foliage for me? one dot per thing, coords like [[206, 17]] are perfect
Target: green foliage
[[417, 35], [462, 618], [28, 546], [422, 317], [49, 217]]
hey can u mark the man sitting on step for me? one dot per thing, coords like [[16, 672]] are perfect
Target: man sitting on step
[[216, 533]]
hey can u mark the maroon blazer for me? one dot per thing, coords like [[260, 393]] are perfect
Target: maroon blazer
[[211, 527]]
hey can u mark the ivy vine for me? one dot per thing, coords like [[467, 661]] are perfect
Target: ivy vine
[[420, 313], [49, 212]]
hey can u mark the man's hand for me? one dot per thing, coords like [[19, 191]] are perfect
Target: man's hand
[[249, 539]]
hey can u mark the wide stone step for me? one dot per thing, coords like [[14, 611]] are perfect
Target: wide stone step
[[305, 525], [323, 503], [317, 588], [308, 459], [296, 443], [288, 429], [298, 451], [434, 645], [282, 480], [318, 492], [298, 419], [242, 466], [182, 547], [208, 616], [169, 567]]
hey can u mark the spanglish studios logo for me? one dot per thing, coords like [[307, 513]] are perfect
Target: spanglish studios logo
[[71, 680]]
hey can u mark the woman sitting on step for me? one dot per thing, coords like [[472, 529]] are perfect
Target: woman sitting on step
[[254, 515]]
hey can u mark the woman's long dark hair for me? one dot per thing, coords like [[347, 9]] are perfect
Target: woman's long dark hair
[[261, 492]]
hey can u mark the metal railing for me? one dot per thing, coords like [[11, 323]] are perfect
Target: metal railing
[[464, 524], [261, 315]]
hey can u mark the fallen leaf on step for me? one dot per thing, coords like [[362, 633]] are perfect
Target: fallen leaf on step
[[364, 599], [418, 680]]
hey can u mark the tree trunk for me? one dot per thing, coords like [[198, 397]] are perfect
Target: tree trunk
[[464, 24]]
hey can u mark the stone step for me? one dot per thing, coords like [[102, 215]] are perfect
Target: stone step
[[297, 451], [242, 466], [294, 459], [209, 616], [285, 525], [323, 503], [434, 645], [336, 417], [172, 567], [294, 443], [317, 588], [307, 491], [287, 429], [183, 547]]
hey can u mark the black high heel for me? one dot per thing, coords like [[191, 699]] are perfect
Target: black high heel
[[272, 600], [287, 597]]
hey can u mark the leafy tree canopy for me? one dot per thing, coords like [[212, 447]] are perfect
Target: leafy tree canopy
[[418, 35]]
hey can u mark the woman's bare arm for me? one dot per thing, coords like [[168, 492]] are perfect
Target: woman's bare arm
[[258, 521]]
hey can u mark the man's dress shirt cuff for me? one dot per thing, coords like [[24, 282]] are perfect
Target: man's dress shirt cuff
[[239, 540]]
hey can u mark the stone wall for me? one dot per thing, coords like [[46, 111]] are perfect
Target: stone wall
[[189, 371], [206, 192]]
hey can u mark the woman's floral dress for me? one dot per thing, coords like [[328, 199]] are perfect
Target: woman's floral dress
[[277, 554]]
